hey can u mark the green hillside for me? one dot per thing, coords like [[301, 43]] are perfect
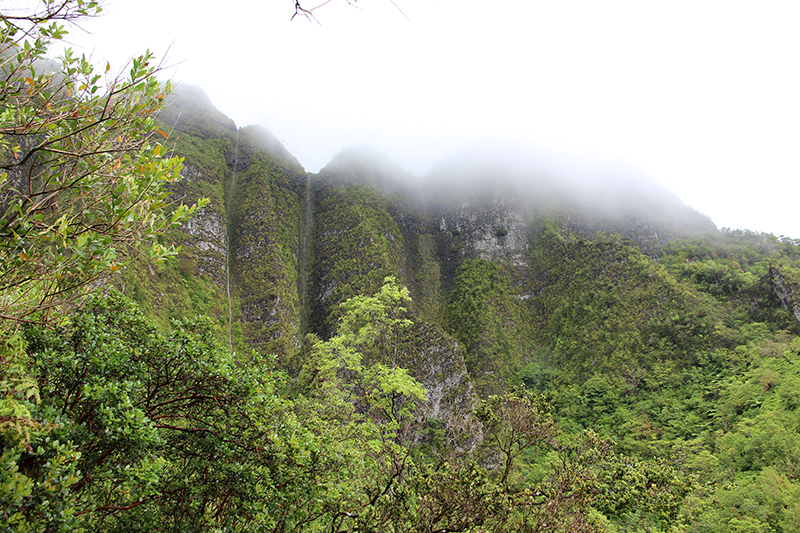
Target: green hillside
[[670, 338]]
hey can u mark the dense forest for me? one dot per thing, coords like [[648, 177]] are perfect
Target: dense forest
[[199, 335]]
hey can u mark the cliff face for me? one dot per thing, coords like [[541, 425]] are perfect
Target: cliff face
[[239, 261], [264, 205], [507, 268]]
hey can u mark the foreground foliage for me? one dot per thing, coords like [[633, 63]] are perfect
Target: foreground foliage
[[83, 186], [135, 428], [82, 180]]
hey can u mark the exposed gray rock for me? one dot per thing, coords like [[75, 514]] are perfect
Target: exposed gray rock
[[786, 294]]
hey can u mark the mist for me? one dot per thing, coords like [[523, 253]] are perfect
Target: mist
[[698, 98]]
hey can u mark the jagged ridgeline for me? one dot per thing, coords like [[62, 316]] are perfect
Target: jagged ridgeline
[[513, 266]]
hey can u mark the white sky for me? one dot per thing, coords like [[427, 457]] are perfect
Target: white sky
[[703, 96]]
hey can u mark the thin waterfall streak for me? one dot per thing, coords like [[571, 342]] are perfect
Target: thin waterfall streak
[[304, 260], [228, 235]]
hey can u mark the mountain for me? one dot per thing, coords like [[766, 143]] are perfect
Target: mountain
[[627, 314], [279, 249], [510, 266]]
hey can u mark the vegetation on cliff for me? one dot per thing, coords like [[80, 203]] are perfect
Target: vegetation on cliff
[[356, 244]]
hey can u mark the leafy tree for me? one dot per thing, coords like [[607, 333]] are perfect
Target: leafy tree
[[514, 423], [359, 364], [82, 180], [629, 485], [376, 400], [138, 428], [454, 495]]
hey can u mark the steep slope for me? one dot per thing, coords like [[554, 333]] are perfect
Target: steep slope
[[239, 261], [277, 250], [360, 203], [521, 266], [511, 265], [196, 282], [355, 241], [265, 214]]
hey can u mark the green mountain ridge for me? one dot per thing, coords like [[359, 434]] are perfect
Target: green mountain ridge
[[291, 246], [511, 272], [629, 310]]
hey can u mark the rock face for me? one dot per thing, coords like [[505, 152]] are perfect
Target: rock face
[[491, 232], [437, 362], [264, 208], [787, 294], [207, 232], [278, 249]]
